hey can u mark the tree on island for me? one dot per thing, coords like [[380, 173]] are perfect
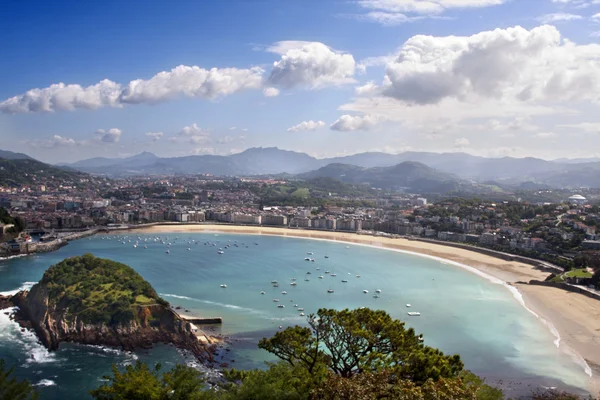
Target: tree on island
[[350, 354], [13, 389]]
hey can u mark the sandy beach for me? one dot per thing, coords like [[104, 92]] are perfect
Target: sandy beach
[[575, 316]]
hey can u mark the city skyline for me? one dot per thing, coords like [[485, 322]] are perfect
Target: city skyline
[[486, 77]]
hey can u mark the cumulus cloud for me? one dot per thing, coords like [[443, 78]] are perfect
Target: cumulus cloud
[[461, 143], [544, 135], [558, 17], [154, 135], [54, 142], [111, 136], [191, 134], [354, 123], [311, 65], [307, 126], [270, 92], [588, 127], [513, 63], [190, 81]]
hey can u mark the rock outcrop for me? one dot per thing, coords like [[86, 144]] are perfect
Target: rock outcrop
[[54, 324]]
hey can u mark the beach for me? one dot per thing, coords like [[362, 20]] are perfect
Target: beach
[[575, 317]]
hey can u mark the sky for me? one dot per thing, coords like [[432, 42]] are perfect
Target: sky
[[329, 78]]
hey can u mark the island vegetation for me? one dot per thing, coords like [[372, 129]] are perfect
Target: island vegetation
[[98, 291]]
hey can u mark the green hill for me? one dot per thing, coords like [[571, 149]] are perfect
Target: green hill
[[98, 290], [17, 172]]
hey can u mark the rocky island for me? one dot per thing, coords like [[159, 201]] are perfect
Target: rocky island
[[97, 301]]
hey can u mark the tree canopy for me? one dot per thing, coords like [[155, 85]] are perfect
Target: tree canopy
[[13, 389]]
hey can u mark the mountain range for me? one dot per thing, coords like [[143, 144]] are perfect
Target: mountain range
[[272, 161]]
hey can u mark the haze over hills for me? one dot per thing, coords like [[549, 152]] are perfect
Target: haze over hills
[[265, 161], [24, 170]]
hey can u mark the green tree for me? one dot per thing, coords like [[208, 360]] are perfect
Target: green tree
[[13, 389], [350, 342], [140, 383]]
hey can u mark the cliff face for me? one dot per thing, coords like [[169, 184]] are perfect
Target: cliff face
[[155, 323]]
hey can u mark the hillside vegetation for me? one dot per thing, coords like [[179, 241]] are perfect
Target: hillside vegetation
[[98, 290], [29, 172]]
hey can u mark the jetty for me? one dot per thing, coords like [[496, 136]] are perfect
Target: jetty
[[201, 321]]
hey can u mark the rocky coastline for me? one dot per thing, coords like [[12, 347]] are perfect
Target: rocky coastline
[[156, 323]]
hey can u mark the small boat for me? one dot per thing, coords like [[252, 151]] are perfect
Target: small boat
[[292, 279], [330, 291], [273, 281], [295, 305], [318, 269], [220, 252], [263, 292], [302, 314], [306, 259], [333, 275], [326, 256], [344, 281], [376, 296], [321, 277], [168, 252], [421, 338], [378, 291], [284, 292], [301, 309], [293, 283], [310, 253], [347, 247], [365, 291], [280, 306], [308, 273], [276, 285], [134, 246], [414, 313], [358, 276], [306, 279], [223, 286], [145, 247], [326, 272], [408, 305], [189, 249], [276, 300], [312, 259]]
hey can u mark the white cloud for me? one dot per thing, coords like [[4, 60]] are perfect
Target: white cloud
[[191, 82], [558, 17], [596, 16], [354, 123], [595, 34], [203, 151], [154, 135], [311, 65], [111, 136], [588, 127], [514, 63], [425, 6], [191, 134], [270, 92], [307, 126], [389, 19], [54, 142], [515, 124], [461, 143], [180, 81], [225, 140]]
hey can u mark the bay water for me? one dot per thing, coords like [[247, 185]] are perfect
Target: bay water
[[461, 312]]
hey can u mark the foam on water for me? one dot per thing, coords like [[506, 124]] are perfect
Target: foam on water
[[24, 286], [45, 382], [214, 303]]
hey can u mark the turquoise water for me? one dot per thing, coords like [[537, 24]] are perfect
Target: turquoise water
[[460, 312]]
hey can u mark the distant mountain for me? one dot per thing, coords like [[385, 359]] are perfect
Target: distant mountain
[[576, 160], [270, 161], [10, 155], [15, 172], [408, 175]]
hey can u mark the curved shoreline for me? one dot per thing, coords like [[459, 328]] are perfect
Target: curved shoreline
[[495, 270]]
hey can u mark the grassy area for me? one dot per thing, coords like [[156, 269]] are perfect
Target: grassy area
[[301, 192], [578, 273]]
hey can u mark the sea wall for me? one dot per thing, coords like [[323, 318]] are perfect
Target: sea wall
[[567, 287]]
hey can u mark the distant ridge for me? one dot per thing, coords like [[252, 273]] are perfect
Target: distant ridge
[[11, 155]]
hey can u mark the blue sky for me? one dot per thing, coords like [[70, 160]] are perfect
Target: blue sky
[[489, 77]]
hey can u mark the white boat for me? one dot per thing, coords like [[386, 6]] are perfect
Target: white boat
[[321, 277], [306, 279], [308, 273], [318, 269], [263, 292], [168, 252], [223, 286], [326, 272], [280, 306], [284, 292], [273, 281], [376, 296], [378, 291], [306, 259], [293, 283], [189, 249], [134, 246], [365, 291], [330, 291], [333, 275], [145, 247], [301, 309], [276, 300], [295, 305], [310, 253], [302, 314], [276, 285], [414, 313], [312, 259], [220, 252], [358, 276], [408, 305]]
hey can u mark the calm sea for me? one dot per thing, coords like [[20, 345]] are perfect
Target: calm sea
[[460, 312]]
